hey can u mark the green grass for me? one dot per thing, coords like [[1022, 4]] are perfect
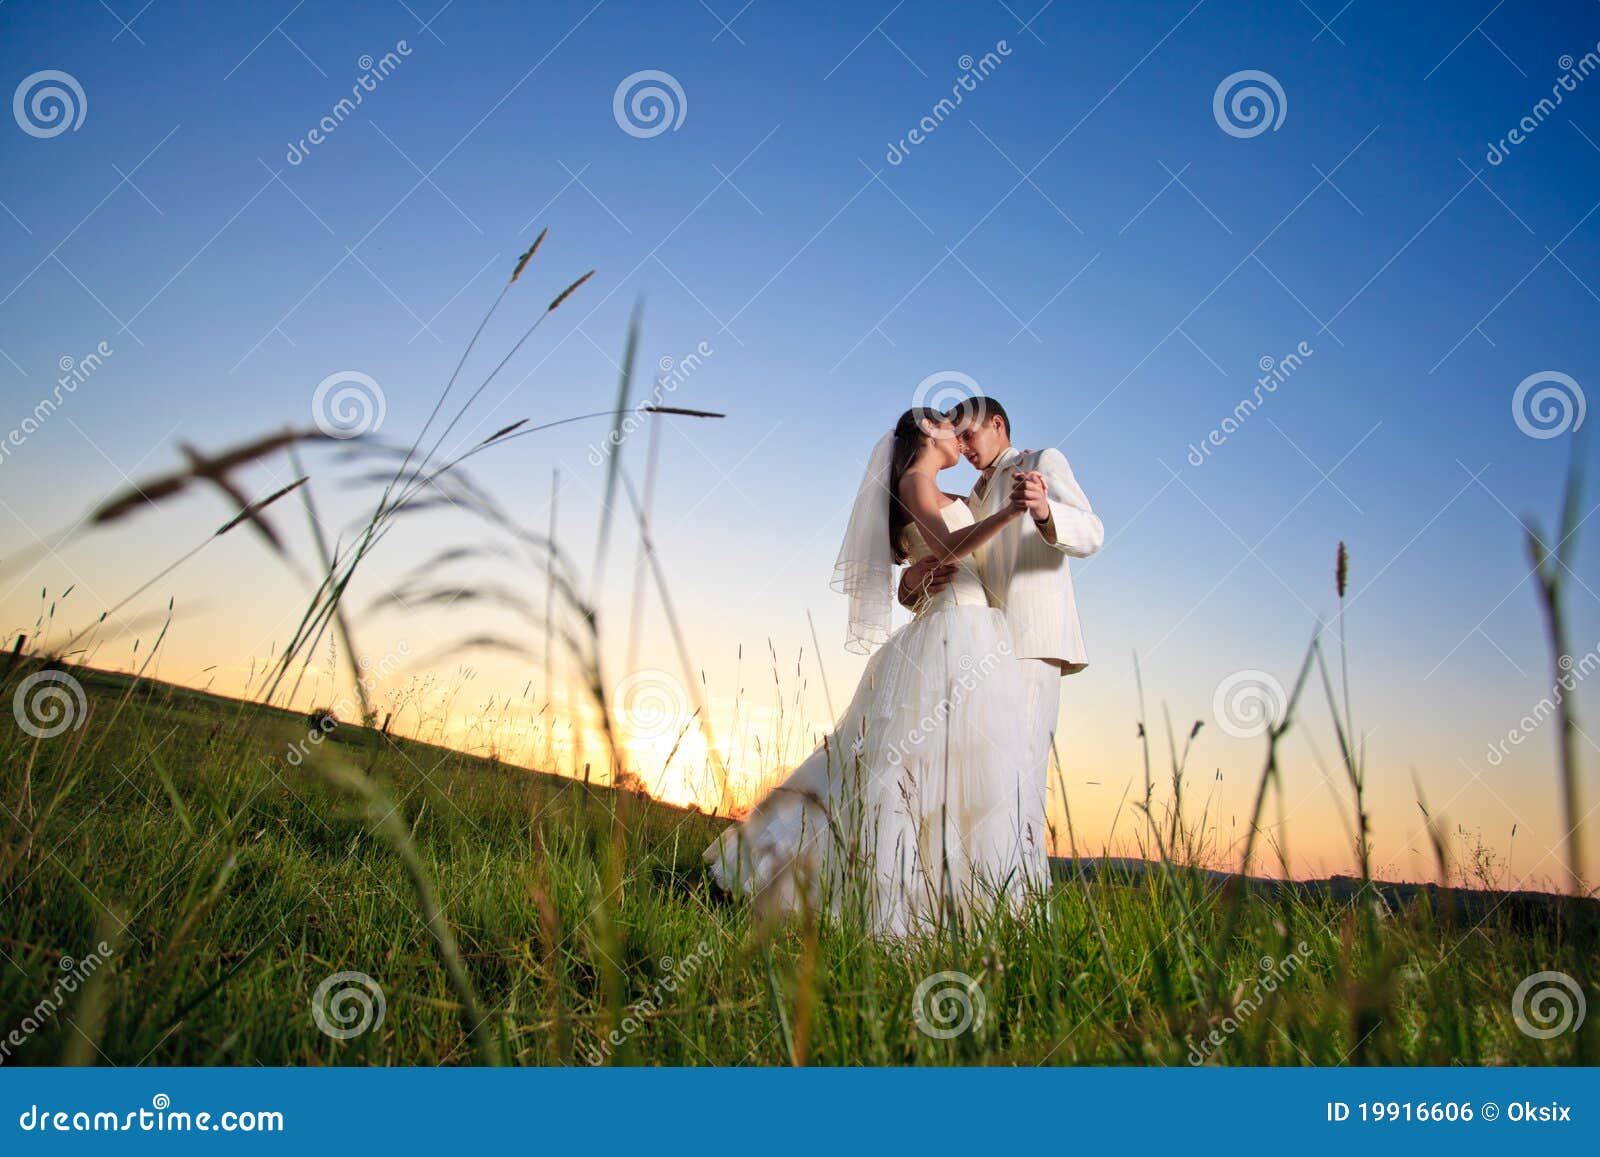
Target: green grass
[[230, 883]]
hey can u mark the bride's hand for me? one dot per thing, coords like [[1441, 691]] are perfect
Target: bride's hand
[[923, 579]]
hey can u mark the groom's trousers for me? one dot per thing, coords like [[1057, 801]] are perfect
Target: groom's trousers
[[1041, 683], [1028, 824]]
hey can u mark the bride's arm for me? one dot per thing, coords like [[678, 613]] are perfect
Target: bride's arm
[[920, 495]]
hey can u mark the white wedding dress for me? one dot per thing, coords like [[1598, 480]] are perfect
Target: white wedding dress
[[921, 806]]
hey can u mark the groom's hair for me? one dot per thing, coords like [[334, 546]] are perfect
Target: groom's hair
[[979, 409]]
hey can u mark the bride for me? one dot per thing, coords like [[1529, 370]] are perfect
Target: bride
[[917, 809]]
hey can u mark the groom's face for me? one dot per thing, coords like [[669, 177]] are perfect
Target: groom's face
[[982, 440]]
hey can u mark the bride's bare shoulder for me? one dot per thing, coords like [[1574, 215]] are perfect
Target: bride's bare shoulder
[[918, 487]]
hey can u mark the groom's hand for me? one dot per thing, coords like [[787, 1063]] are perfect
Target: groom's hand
[[1029, 491], [922, 580]]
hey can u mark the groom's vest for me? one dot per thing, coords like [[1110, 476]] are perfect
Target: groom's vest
[[1027, 577]]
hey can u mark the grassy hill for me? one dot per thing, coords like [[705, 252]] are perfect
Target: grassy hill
[[181, 873]]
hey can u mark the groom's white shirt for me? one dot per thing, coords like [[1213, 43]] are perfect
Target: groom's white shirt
[[1028, 577]]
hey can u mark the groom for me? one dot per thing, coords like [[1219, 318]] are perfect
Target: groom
[[1024, 568]]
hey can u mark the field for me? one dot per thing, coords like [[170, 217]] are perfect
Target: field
[[177, 885]]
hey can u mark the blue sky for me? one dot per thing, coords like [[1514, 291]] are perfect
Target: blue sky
[[1081, 237]]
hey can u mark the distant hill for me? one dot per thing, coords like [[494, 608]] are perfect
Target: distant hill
[[1470, 904]]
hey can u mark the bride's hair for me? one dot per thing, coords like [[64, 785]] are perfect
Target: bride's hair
[[909, 435]]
